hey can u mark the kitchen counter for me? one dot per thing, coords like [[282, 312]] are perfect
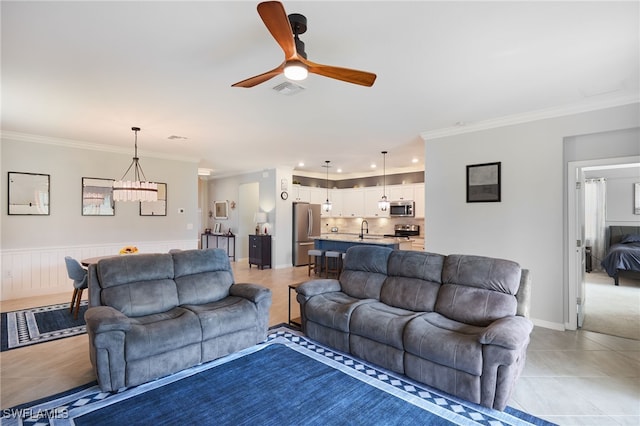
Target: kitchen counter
[[341, 242]]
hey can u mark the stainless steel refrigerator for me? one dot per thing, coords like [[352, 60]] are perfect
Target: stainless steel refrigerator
[[306, 225]]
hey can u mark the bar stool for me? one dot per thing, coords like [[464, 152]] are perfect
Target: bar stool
[[315, 265], [337, 263]]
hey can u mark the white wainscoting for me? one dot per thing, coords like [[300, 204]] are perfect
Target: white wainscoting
[[40, 271]]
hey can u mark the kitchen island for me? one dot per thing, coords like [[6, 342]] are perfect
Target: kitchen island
[[341, 242]]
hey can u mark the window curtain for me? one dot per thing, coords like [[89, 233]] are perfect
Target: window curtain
[[595, 200]]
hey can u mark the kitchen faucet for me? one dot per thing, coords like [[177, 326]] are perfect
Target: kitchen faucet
[[364, 221]]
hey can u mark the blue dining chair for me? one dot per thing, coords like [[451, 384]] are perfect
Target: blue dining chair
[[79, 276]]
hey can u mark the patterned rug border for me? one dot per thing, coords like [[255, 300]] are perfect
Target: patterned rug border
[[62, 408], [20, 328]]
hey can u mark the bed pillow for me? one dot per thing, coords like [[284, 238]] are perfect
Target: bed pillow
[[630, 238]]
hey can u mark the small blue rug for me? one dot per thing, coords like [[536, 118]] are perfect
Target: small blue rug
[[38, 325], [289, 380]]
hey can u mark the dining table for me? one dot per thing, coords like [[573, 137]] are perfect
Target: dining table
[[91, 260]]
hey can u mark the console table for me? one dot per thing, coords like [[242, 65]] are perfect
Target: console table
[[207, 240]]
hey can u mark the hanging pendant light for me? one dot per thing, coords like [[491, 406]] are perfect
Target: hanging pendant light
[[326, 206], [137, 189], [383, 204]]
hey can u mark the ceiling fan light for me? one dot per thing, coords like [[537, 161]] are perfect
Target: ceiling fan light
[[296, 71]]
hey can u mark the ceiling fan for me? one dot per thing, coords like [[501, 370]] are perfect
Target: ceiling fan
[[285, 29]]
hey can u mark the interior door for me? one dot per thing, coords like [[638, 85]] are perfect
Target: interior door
[[580, 255], [575, 255]]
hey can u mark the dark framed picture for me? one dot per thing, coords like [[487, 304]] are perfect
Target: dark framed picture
[[97, 197], [156, 208], [28, 193], [483, 183]]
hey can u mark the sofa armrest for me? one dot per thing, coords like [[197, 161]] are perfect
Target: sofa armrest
[[315, 287], [101, 319], [509, 332], [253, 292]]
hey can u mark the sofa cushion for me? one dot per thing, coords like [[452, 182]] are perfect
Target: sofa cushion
[[482, 272], [445, 342], [413, 280], [364, 272], [225, 316], [138, 285], [381, 323], [478, 290], [125, 269], [333, 310], [160, 333], [202, 276]]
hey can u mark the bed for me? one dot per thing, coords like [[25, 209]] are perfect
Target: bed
[[623, 254]]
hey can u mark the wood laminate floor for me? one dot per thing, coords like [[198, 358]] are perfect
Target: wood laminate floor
[[570, 378]]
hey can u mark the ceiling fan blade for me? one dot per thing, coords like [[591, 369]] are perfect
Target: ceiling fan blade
[[261, 78], [362, 78], [277, 22]]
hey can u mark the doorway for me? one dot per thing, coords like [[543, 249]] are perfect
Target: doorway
[[578, 296]]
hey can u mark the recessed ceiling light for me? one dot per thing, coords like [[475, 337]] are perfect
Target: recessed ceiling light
[[204, 171], [339, 170], [414, 160], [373, 166], [301, 164]]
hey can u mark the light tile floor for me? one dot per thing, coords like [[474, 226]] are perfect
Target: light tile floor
[[570, 378]]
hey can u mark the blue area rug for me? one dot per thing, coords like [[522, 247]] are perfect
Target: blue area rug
[[289, 380], [38, 325]]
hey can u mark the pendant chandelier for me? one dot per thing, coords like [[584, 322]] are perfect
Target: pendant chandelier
[[383, 204], [136, 189], [326, 206]]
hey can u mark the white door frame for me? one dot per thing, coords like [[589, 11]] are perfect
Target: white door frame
[[575, 279]]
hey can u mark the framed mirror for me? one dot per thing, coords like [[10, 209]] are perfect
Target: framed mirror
[[28, 193], [156, 208], [220, 210], [97, 197]]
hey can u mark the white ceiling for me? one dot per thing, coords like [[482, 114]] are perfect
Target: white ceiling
[[89, 71]]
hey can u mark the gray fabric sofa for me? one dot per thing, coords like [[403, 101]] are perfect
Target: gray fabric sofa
[[151, 315], [457, 323]]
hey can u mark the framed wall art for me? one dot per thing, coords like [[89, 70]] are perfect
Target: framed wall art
[[483, 183], [220, 210], [156, 208], [28, 193], [97, 197]]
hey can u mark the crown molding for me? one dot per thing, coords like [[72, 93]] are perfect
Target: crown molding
[[69, 143], [527, 117]]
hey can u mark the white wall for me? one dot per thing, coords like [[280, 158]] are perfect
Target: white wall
[[528, 225], [278, 211], [619, 194], [33, 247]]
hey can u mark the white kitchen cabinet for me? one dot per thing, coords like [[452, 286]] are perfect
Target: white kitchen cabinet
[[301, 193], [353, 202], [317, 195], [371, 197], [418, 197], [337, 205], [400, 192]]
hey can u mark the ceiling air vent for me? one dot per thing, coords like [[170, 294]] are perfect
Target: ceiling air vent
[[288, 88]]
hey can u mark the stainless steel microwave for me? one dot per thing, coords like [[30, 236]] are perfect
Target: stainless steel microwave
[[402, 208]]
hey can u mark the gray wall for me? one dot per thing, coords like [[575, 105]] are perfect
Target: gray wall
[[528, 225], [66, 226]]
